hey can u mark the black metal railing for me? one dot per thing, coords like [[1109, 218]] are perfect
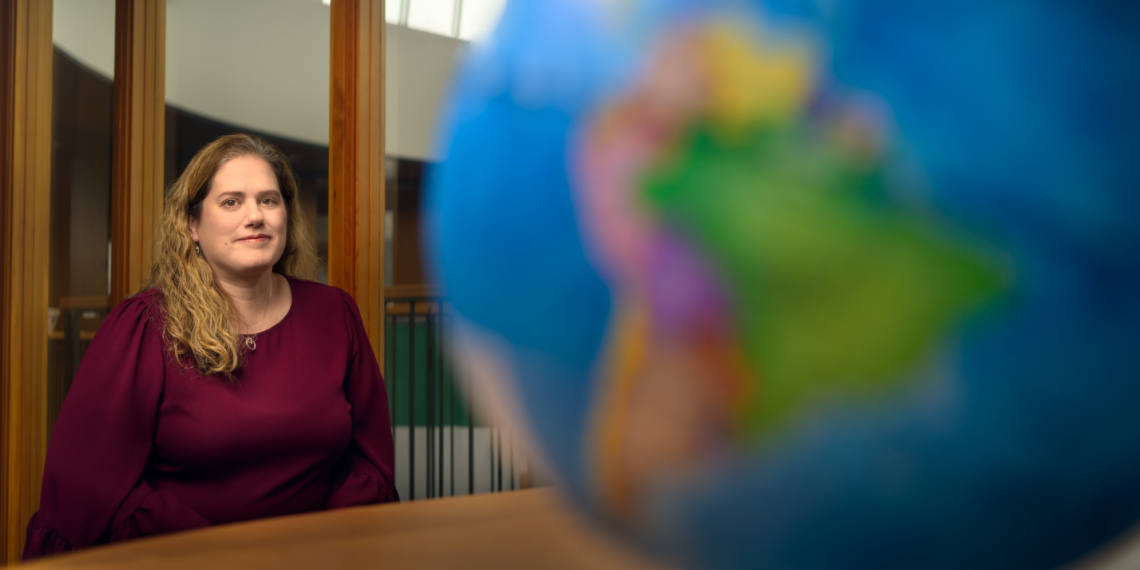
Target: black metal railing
[[443, 448]]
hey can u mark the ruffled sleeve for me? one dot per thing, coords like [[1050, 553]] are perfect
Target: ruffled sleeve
[[366, 472], [93, 487]]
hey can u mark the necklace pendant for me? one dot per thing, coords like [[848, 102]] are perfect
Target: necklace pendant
[[251, 343]]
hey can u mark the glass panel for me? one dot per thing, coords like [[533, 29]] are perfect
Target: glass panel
[[479, 17], [83, 34], [418, 71], [392, 10], [436, 16], [254, 66]]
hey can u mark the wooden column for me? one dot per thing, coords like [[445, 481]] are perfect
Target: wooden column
[[140, 134], [25, 191], [356, 160]]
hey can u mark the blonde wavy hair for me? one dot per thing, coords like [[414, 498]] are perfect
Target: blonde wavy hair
[[199, 320]]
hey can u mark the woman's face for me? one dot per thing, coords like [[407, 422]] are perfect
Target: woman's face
[[243, 224]]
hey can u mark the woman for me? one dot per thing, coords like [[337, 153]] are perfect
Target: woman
[[228, 390]]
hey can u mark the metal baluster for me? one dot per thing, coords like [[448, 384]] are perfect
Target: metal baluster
[[451, 398], [439, 405], [412, 401], [429, 385], [390, 338], [390, 363], [470, 447]]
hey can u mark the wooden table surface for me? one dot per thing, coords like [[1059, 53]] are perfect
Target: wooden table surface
[[522, 529]]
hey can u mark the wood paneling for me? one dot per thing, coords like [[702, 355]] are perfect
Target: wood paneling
[[5, 193], [412, 291], [25, 191], [356, 159], [408, 265], [140, 136]]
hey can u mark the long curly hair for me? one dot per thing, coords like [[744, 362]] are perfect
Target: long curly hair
[[199, 320]]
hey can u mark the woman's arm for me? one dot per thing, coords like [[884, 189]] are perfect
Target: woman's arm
[[93, 488], [365, 475]]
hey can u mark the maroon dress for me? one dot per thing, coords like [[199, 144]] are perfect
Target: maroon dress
[[145, 446]]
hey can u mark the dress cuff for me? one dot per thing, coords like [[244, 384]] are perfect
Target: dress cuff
[[363, 488], [43, 540]]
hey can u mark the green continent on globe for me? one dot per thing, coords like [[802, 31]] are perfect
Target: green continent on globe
[[839, 290]]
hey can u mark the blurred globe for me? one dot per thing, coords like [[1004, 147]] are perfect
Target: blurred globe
[[792, 284]]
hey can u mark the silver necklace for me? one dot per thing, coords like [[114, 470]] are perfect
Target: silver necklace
[[251, 339]]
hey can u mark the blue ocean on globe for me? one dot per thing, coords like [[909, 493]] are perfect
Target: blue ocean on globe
[[808, 284]]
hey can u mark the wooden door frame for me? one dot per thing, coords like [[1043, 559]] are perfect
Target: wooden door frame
[[139, 141], [25, 192], [356, 159]]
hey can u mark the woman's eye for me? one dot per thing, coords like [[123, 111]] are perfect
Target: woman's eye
[[269, 201], [229, 203]]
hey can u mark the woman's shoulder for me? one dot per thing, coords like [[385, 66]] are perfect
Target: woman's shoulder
[[147, 302], [139, 314], [315, 294]]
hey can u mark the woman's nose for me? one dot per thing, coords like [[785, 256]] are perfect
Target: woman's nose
[[254, 213]]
